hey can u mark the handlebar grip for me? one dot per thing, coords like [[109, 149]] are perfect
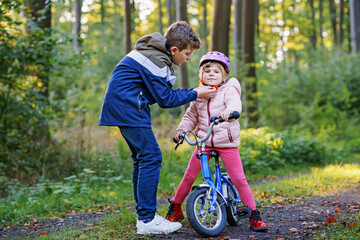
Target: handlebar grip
[[234, 115]]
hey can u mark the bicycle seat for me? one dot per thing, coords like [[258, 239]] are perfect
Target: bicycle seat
[[214, 153]]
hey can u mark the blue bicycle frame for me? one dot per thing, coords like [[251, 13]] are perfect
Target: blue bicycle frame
[[219, 178]]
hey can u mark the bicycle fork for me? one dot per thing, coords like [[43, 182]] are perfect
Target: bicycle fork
[[207, 178]]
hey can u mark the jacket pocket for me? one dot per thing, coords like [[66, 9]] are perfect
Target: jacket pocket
[[230, 135], [142, 101]]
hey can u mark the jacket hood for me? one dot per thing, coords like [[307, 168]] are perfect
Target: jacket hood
[[233, 82], [154, 46]]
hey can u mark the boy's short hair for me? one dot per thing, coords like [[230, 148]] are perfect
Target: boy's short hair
[[209, 64], [180, 34]]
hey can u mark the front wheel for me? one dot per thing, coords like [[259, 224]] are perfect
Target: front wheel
[[200, 217]]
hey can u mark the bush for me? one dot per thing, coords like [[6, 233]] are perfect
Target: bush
[[317, 95], [263, 150]]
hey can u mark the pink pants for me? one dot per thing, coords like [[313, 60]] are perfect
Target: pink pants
[[233, 165]]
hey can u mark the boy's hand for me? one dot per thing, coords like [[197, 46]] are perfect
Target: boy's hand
[[225, 115], [205, 92]]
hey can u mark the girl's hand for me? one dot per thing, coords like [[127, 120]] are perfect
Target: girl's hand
[[225, 115], [177, 134]]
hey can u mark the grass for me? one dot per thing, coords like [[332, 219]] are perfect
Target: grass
[[318, 182], [84, 194], [107, 187], [344, 228]]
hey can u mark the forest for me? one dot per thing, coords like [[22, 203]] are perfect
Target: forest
[[297, 62]]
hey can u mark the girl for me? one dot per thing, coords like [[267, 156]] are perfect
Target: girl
[[214, 69]]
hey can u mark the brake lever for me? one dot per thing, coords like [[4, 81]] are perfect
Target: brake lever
[[181, 140]]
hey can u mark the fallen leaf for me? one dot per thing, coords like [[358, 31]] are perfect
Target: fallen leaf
[[337, 210], [210, 238], [352, 225], [280, 239], [293, 229], [331, 219], [44, 233]]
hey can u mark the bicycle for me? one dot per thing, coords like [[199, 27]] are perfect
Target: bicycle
[[213, 203]]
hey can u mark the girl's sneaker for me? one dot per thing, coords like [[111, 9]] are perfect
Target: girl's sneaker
[[256, 223], [174, 213]]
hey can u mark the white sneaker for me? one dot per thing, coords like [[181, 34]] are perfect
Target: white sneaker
[[158, 225]]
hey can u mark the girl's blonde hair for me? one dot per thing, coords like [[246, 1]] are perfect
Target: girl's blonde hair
[[210, 64]]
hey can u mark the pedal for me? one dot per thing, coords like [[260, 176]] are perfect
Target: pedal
[[243, 212]]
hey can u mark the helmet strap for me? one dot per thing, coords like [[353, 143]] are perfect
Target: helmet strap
[[215, 86]]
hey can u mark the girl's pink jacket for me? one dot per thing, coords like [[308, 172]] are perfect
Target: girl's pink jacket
[[224, 135]]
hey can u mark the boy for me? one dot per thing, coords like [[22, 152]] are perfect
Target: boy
[[144, 77]]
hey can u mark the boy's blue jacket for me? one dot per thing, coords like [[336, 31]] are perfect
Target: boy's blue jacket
[[143, 77]]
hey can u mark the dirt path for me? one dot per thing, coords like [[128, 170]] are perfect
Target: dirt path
[[302, 219]]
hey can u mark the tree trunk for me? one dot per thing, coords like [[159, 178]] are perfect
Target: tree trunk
[[251, 106], [257, 18], [77, 25], [333, 20], [181, 15], [127, 29], [102, 10], [313, 30], [169, 7], [237, 34], [40, 17], [341, 22], [321, 22], [220, 27], [348, 28], [204, 31], [355, 25], [160, 17]]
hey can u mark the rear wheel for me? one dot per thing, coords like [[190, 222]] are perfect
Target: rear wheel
[[232, 217]]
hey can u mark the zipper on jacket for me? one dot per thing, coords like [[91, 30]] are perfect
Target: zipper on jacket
[[138, 98], [212, 133]]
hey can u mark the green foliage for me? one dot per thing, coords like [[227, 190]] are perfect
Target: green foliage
[[32, 87], [262, 150], [315, 95], [94, 190]]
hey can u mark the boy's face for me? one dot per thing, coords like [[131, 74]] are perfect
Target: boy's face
[[181, 57]]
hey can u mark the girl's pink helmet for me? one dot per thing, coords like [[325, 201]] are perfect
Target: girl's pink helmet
[[217, 57]]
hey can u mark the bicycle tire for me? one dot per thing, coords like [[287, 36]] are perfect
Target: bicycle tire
[[204, 222], [232, 217]]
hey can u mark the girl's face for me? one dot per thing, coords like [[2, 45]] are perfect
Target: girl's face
[[213, 76]]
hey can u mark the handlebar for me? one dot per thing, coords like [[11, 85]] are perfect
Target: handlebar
[[214, 120]]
